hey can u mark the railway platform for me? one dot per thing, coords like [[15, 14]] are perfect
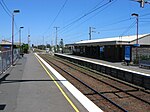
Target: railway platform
[[131, 74], [112, 64], [28, 87]]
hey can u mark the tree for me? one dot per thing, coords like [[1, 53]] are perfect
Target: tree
[[25, 48], [48, 46]]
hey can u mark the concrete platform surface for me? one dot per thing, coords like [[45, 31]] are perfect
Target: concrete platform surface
[[26, 87]]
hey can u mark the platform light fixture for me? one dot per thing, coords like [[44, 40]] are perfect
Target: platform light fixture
[[137, 22], [12, 49], [20, 37]]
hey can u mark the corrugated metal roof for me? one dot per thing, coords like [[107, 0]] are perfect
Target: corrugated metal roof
[[123, 39]]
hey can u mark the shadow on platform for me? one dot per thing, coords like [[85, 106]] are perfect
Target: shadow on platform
[[2, 106], [16, 81], [4, 78]]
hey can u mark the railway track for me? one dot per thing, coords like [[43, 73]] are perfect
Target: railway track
[[106, 92]]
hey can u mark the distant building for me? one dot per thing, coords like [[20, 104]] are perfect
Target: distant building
[[113, 49], [6, 45]]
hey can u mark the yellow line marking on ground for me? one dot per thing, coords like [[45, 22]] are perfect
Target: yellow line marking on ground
[[62, 91]]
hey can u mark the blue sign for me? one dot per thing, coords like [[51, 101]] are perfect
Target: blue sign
[[101, 49], [7, 47], [127, 53], [137, 45]]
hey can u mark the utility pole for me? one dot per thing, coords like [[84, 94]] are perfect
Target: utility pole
[[56, 37], [43, 42], [90, 32], [29, 39]]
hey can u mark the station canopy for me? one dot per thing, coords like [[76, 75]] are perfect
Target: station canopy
[[143, 39]]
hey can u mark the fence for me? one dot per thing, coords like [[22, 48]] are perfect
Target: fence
[[5, 59]]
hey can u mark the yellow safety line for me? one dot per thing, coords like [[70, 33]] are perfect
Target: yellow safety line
[[62, 91]]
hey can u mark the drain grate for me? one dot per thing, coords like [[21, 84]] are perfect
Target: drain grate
[[2, 106]]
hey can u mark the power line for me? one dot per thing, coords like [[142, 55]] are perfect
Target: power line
[[57, 15], [97, 5], [86, 14], [148, 14], [128, 29], [117, 22], [59, 12], [6, 6], [124, 20], [5, 9], [93, 8], [145, 18], [144, 21], [92, 16], [115, 29], [98, 12], [133, 24]]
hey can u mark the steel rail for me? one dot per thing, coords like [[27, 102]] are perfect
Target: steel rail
[[87, 86], [112, 85]]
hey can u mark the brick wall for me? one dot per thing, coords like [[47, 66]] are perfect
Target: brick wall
[[142, 52]]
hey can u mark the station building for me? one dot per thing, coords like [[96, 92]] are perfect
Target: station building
[[113, 49], [6, 45]]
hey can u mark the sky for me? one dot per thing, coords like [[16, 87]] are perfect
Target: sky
[[73, 19]]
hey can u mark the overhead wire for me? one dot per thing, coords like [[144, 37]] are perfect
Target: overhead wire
[[114, 23], [147, 14], [90, 9], [144, 21], [83, 16], [115, 29], [128, 29], [97, 5], [100, 11], [6, 6], [145, 18], [57, 15], [133, 24], [124, 20], [93, 15], [5, 9], [8, 12]]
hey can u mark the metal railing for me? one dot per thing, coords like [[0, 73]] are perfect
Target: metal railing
[[5, 59]]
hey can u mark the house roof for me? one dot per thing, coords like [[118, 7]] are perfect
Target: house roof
[[5, 42]]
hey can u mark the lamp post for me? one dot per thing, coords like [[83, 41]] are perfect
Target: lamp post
[[137, 22], [12, 49], [20, 37]]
